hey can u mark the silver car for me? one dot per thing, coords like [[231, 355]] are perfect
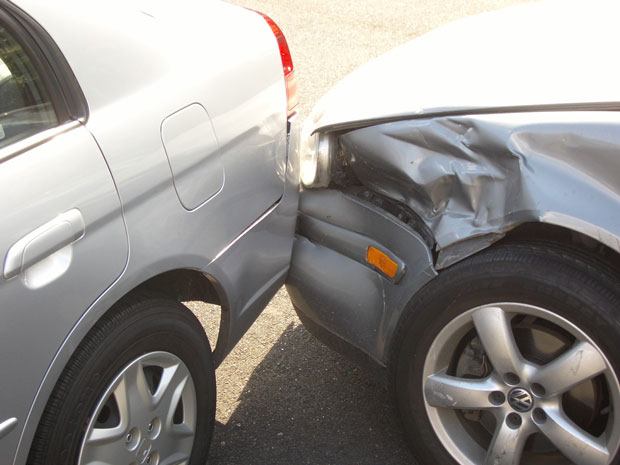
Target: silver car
[[147, 158], [460, 226]]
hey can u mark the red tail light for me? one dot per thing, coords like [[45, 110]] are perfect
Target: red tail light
[[287, 65]]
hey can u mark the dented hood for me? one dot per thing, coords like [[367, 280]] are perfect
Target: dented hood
[[558, 53]]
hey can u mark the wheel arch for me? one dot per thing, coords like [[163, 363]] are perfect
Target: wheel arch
[[574, 236], [184, 285]]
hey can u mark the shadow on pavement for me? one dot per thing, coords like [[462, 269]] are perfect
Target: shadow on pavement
[[305, 404]]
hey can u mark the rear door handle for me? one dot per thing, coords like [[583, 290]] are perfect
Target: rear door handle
[[43, 242]]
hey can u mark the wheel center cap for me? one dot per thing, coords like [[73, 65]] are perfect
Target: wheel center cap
[[144, 450], [520, 400]]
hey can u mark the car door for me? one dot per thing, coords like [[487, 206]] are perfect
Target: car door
[[62, 236]]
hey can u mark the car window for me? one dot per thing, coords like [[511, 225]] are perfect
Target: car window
[[25, 105]]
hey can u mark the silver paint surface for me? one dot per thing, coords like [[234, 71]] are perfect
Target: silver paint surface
[[470, 179], [330, 281], [486, 61], [473, 178], [135, 70], [193, 154]]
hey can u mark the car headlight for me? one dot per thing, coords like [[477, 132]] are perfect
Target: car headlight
[[316, 159]]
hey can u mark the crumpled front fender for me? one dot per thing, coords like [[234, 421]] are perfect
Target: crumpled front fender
[[473, 178], [468, 180]]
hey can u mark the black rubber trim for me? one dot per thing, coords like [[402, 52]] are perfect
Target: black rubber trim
[[60, 81]]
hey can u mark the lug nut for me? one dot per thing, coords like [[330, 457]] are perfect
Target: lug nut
[[497, 398], [511, 379], [132, 438], [538, 390], [153, 428], [539, 416], [513, 420]]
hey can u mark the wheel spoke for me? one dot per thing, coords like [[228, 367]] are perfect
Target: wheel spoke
[[178, 458], [494, 330], [582, 362], [104, 460], [181, 431], [107, 435], [138, 393], [121, 395], [175, 439], [576, 444], [446, 391], [104, 452], [507, 445], [170, 390]]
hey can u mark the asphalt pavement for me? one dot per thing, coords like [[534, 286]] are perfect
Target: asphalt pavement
[[283, 397]]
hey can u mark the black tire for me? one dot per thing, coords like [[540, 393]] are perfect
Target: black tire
[[572, 285], [132, 328]]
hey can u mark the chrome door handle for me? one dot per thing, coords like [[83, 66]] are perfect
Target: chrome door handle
[[43, 242]]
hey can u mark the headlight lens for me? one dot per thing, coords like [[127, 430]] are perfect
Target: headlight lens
[[309, 159], [316, 160]]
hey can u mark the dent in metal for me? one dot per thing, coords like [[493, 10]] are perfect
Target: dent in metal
[[468, 180], [473, 178]]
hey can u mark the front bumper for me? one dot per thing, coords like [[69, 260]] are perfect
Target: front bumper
[[332, 285]]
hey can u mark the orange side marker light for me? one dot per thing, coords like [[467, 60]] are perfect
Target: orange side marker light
[[382, 262]]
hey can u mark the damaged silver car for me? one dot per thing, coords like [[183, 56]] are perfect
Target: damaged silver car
[[460, 226]]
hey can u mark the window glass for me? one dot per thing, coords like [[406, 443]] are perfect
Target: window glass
[[25, 106]]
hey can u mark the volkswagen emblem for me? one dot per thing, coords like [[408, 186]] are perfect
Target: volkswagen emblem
[[520, 400]]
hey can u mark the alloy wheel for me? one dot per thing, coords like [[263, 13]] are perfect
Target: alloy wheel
[[511, 383]]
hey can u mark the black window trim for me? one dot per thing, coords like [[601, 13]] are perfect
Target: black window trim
[[64, 90]]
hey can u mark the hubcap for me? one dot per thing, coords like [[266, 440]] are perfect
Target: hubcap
[[146, 416], [509, 384]]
